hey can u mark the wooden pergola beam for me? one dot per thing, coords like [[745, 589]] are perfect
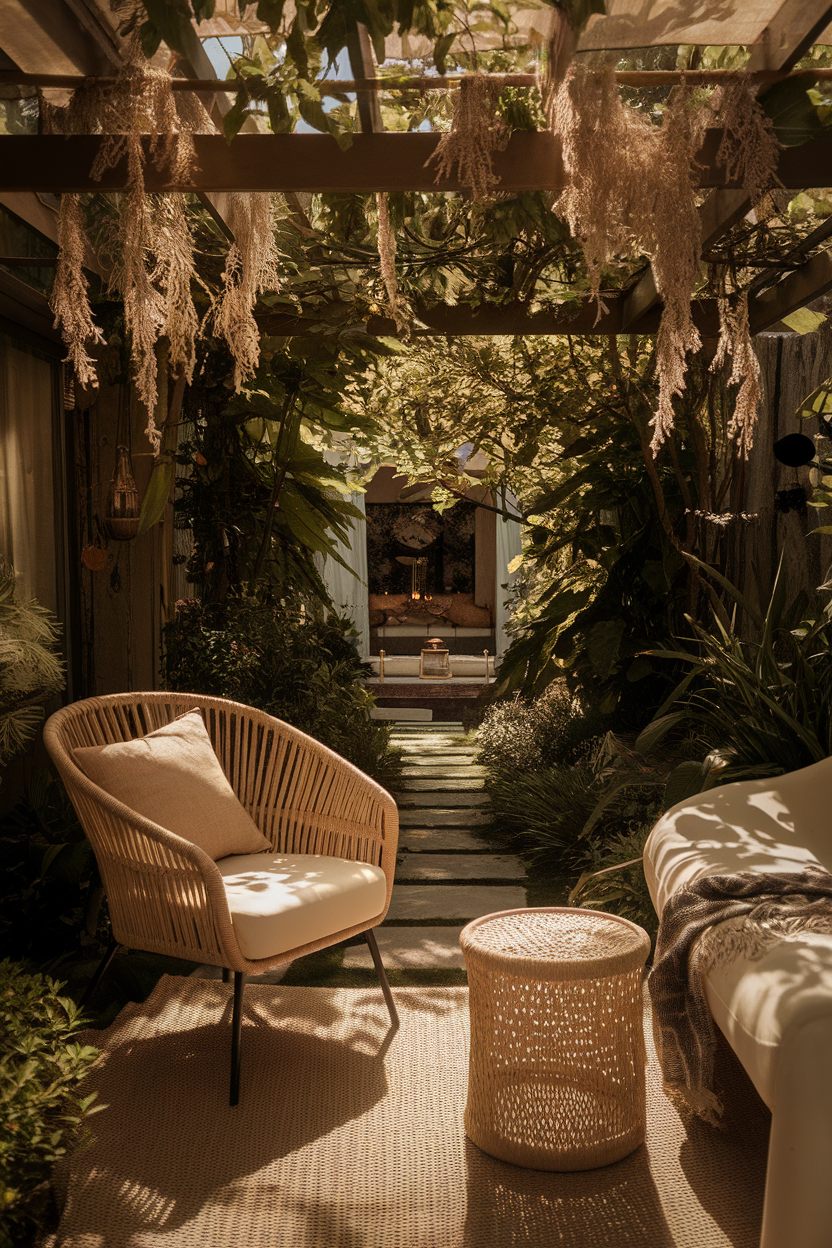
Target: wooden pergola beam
[[795, 291], [275, 162], [41, 33], [498, 320], [373, 85], [315, 162]]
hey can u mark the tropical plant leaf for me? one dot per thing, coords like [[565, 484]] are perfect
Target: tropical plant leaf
[[792, 111], [157, 494], [655, 732]]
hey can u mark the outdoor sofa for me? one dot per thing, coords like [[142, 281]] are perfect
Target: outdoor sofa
[[775, 1011]]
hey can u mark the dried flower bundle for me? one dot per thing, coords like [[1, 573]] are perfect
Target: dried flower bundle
[[150, 243], [749, 150], [610, 153], [631, 194], [673, 241], [735, 340], [387, 257], [477, 132], [251, 267], [70, 291]]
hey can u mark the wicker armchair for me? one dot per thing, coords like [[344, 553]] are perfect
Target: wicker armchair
[[167, 895]]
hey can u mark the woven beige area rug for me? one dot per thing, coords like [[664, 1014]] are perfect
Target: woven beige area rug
[[345, 1138]]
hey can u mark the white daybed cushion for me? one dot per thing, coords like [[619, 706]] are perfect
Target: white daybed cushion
[[280, 902], [778, 824]]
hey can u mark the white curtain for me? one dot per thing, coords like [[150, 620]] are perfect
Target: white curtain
[[348, 592], [509, 545], [27, 504]]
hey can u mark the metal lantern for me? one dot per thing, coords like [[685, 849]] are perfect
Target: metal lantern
[[435, 661], [121, 519]]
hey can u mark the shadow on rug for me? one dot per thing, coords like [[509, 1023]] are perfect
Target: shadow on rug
[[348, 1137]]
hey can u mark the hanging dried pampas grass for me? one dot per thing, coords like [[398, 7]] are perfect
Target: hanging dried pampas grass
[[252, 267], [477, 132], [387, 258], [609, 153], [150, 242], [749, 150], [735, 340], [672, 235], [70, 292], [630, 193]]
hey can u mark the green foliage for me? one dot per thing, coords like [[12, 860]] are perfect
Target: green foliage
[[298, 665], [279, 72], [798, 111], [566, 815], [565, 425], [50, 890], [30, 671], [579, 817], [622, 887], [546, 811], [261, 500], [42, 1114], [756, 705]]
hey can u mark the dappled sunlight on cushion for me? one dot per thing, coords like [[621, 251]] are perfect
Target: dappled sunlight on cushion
[[777, 824], [284, 901]]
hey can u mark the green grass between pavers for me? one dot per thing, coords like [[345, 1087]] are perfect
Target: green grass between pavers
[[325, 969], [548, 889]]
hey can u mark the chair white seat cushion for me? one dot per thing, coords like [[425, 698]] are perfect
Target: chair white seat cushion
[[280, 902], [773, 825]]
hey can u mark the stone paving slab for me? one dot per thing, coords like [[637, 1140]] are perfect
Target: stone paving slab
[[454, 754], [455, 745], [460, 867], [419, 840], [464, 901], [443, 817], [433, 768], [439, 760], [439, 799], [432, 738], [442, 784], [403, 947]]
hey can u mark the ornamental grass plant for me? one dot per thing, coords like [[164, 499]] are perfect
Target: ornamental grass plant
[[756, 699], [526, 734]]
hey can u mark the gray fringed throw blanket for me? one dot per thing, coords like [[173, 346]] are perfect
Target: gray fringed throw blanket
[[775, 906]]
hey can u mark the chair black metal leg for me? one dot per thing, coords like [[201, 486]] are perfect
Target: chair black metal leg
[[370, 938], [101, 971], [226, 975], [236, 1036]]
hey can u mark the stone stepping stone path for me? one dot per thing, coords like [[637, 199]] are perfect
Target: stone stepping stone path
[[447, 872], [436, 798], [454, 867], [406, 948], [443, 817]]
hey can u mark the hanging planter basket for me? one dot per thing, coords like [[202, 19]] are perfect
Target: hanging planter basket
[[121, 519]]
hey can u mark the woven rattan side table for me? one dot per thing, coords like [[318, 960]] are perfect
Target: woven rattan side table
[[556, 1070]]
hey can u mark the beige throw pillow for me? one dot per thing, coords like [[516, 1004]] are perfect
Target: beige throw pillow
[[173, 777]]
